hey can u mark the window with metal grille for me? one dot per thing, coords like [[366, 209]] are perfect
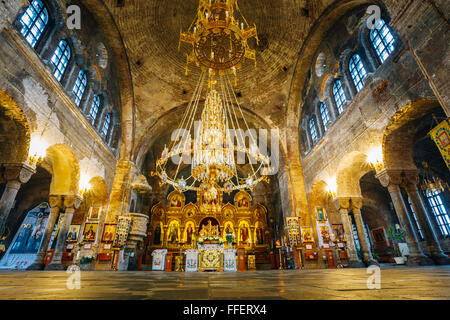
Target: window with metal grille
[[439, 211], [313, 130], [357, 72], [382, 40], [324, 114], [60, 59], [79, 87], [34, 20], [94, 108], [106, 125], [339, 96]]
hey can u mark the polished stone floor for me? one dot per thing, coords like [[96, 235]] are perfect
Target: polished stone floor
[[396, 283]]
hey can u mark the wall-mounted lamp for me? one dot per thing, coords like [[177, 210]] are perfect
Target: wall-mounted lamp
[[331, 187], [375, 158], [37, 151], [84, 184]]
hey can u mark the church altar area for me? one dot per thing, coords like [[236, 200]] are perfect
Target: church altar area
[[206, 234]]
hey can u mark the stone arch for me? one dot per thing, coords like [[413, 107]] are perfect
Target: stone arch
[[350, 170], [399, 133], [65, 170], [15, 139]]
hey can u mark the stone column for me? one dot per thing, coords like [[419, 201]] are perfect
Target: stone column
[[353, 257], [70, 204], [15, 174], [429, 235], [362, 234], [343, 206], [56, 203], [392, 181]]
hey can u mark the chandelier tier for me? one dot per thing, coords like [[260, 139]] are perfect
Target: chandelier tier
[[219, 42], [213, 158]]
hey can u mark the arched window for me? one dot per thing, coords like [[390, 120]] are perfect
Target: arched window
[[94, 108], [324, 114], [79, 87], [106, 125], [357, 72], [60, 59], [440, 212], [339, 96], [34, 20], [313, 130], [382, 40]]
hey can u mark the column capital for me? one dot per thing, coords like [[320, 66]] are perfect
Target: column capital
[[411, 178], [389, 177], [21, 172], [357, 203], [341, 203], [347, 202], [55, 201], [72, 201]]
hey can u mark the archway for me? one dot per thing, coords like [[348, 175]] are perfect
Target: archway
[[350, 170], [409, 152]]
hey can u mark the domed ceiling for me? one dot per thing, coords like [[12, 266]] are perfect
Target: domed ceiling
[[150, 32]]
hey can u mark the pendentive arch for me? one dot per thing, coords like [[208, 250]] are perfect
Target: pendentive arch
[[350, 170], [16, 141], [65, 170], [398, 136], [114, 38]]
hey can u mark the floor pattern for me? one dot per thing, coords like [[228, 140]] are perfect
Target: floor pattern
[[396, 283]]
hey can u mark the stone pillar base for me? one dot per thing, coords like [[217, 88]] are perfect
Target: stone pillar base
[[441, 259], [419, 261], [55, 266], [356, 264], [372, 263], [36, 266]]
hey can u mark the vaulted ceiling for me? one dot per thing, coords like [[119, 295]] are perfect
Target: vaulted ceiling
[[150, 31]]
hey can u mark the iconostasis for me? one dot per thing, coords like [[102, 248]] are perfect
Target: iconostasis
[[177, 223]]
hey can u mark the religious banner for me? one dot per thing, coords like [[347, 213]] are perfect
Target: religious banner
[[441, 136], [191, 260], [159, 259], [293, 231], [229, 260], [123, 228]]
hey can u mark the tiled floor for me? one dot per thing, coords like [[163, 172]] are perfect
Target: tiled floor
[[396, 283]]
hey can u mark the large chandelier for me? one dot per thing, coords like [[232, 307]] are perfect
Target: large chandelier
[[219, 42], [218, 36]]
